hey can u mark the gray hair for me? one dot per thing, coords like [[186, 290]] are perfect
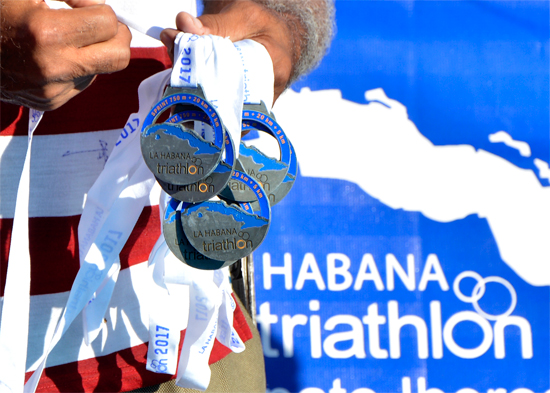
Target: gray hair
[[314, 20]]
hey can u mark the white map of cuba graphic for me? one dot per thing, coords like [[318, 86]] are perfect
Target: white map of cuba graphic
[[383, 152]]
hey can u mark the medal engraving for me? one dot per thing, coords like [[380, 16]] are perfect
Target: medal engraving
[[227, 232], [177, 155], [285, 187], [269, 172], [180, 246], [212, 184]]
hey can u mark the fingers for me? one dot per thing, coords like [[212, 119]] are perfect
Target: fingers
[[167, 36], [241, 20], [49, 56], [190, 24], [238, 21], [82, 3], [249, 20], [79, 42], [77, 27], [108, 56], [185, 22], [51, 96]]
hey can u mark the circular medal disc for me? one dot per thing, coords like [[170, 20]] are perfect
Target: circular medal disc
[[227, 232], [176, 154], [285, 187], [270, 172], [212, 184], [179, 245]]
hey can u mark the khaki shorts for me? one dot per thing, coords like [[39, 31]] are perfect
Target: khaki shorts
[[236, 373]]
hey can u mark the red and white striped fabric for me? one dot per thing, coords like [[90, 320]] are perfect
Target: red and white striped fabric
[[69, 151]]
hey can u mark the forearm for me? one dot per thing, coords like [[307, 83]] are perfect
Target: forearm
[[310, 26]]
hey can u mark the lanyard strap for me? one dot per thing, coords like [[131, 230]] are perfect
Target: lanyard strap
[[213, 64], [113, 206], [211, 305], [14, 330], [258, 73]]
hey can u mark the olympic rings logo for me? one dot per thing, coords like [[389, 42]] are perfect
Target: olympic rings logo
[[479, 291]]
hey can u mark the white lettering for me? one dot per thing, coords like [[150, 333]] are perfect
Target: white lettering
[[463, 352], [525, 332], [396, 323], [406, 385], [373, 275], [421, 383], [312, 390], [356, 336], [308, 263], [373, 321], [285, 270], [265, 319], [289, 323], [432, 262], [337, 387], [392, 265], [437, 335], [363, 390], [315, 330], [342, 271]]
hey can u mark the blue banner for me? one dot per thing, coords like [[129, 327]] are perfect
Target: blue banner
[[413, 253]]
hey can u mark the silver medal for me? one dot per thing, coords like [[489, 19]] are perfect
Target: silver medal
[[270, 172], [174, 153], [221, 231], [213, 183], [179, 245], [285, 187]]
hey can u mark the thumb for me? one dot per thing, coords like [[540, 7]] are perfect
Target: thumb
[[238, 20], [184, 22], [83, 3], [227, 24]]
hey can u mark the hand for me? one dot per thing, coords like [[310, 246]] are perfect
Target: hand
[[241, 20], [48, 56]]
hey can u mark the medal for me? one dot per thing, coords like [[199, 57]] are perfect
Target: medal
[[222, 231], [179, 245], [212, 184], [270, 172], [285, 187], [174, 153]]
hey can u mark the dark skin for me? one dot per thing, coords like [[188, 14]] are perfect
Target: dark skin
[[49, 56], [239, 20]]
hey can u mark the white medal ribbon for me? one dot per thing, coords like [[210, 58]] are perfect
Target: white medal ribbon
[[213, 63], [14, 328], [112, 208], [259, 80], [205, 300], [164, 337], [133, 21], [96, 308], [125, 161], [113, 205], [211, 306], [199, 61]]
